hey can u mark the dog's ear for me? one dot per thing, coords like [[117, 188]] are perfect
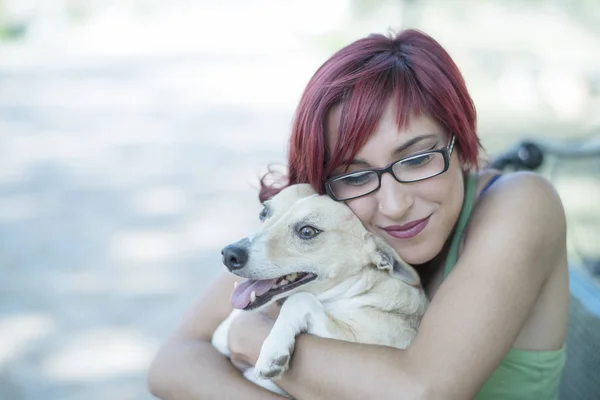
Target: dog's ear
[[386, 258]]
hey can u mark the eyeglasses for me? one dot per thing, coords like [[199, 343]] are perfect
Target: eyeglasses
[[414, 168]]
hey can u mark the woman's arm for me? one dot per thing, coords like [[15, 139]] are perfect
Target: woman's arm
[[188, 367], [516, 241]]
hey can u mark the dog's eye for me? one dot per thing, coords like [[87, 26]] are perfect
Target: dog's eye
[[308, 232]]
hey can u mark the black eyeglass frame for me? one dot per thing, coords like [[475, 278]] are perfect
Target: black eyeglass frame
[[445, 151]]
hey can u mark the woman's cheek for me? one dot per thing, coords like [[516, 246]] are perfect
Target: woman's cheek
[[363, 209]]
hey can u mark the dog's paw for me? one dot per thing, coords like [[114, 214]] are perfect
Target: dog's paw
[[273, 360]]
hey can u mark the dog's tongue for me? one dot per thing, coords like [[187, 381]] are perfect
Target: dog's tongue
[[240, 298]]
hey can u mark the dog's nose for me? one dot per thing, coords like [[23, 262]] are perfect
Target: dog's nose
[[234, 257]]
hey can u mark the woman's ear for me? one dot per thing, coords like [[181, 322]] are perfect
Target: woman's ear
[[385, 258]]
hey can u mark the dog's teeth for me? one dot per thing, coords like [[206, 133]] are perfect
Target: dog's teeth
[[235, 283], [283, 282], [252, 296], [292, 277]]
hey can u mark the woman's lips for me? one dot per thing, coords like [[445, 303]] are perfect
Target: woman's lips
[[408, 230]]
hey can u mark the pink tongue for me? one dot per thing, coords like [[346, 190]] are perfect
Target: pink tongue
[[240, 298]]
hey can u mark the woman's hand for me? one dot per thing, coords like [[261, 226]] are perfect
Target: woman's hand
[[247, 334]]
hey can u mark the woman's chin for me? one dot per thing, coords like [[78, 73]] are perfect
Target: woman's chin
[[418, 255]]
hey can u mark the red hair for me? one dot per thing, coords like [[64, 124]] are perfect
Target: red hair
[[412, 68]]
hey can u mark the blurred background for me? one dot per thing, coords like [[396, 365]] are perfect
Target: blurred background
[[132, 133]]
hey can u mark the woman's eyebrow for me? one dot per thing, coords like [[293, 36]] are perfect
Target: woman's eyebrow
[[399, 149], [414, 141]]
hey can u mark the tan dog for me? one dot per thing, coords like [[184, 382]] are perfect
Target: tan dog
[[339, 280]]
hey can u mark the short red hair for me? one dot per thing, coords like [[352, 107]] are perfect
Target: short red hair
[[412, 68]]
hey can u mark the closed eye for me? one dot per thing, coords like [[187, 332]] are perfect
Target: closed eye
[[358, 179], [418, 161]]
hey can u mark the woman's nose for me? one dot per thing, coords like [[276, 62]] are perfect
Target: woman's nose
[[393, 197]]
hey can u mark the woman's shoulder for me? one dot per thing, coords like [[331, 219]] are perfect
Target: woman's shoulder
[[518, 194], [522, 205]]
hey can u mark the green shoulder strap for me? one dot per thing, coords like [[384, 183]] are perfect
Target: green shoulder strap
[[463, 218]]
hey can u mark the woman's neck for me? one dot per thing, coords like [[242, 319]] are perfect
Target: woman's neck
[[429, 270]]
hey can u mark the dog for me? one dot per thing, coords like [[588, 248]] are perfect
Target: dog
[[338, 281]]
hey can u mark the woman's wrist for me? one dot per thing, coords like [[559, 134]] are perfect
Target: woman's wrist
[[246, 335]]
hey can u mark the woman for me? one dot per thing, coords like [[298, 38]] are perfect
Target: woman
[[387, 125]]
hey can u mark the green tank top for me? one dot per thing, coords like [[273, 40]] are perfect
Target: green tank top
[[522, 374]]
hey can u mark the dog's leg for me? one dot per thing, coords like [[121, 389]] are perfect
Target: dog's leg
[[220, 336], [301, 312], [220, 342]]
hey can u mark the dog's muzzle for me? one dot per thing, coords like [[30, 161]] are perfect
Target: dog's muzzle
[[235, 256]]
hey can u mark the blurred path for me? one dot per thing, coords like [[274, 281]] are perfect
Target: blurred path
[[121, 177]]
